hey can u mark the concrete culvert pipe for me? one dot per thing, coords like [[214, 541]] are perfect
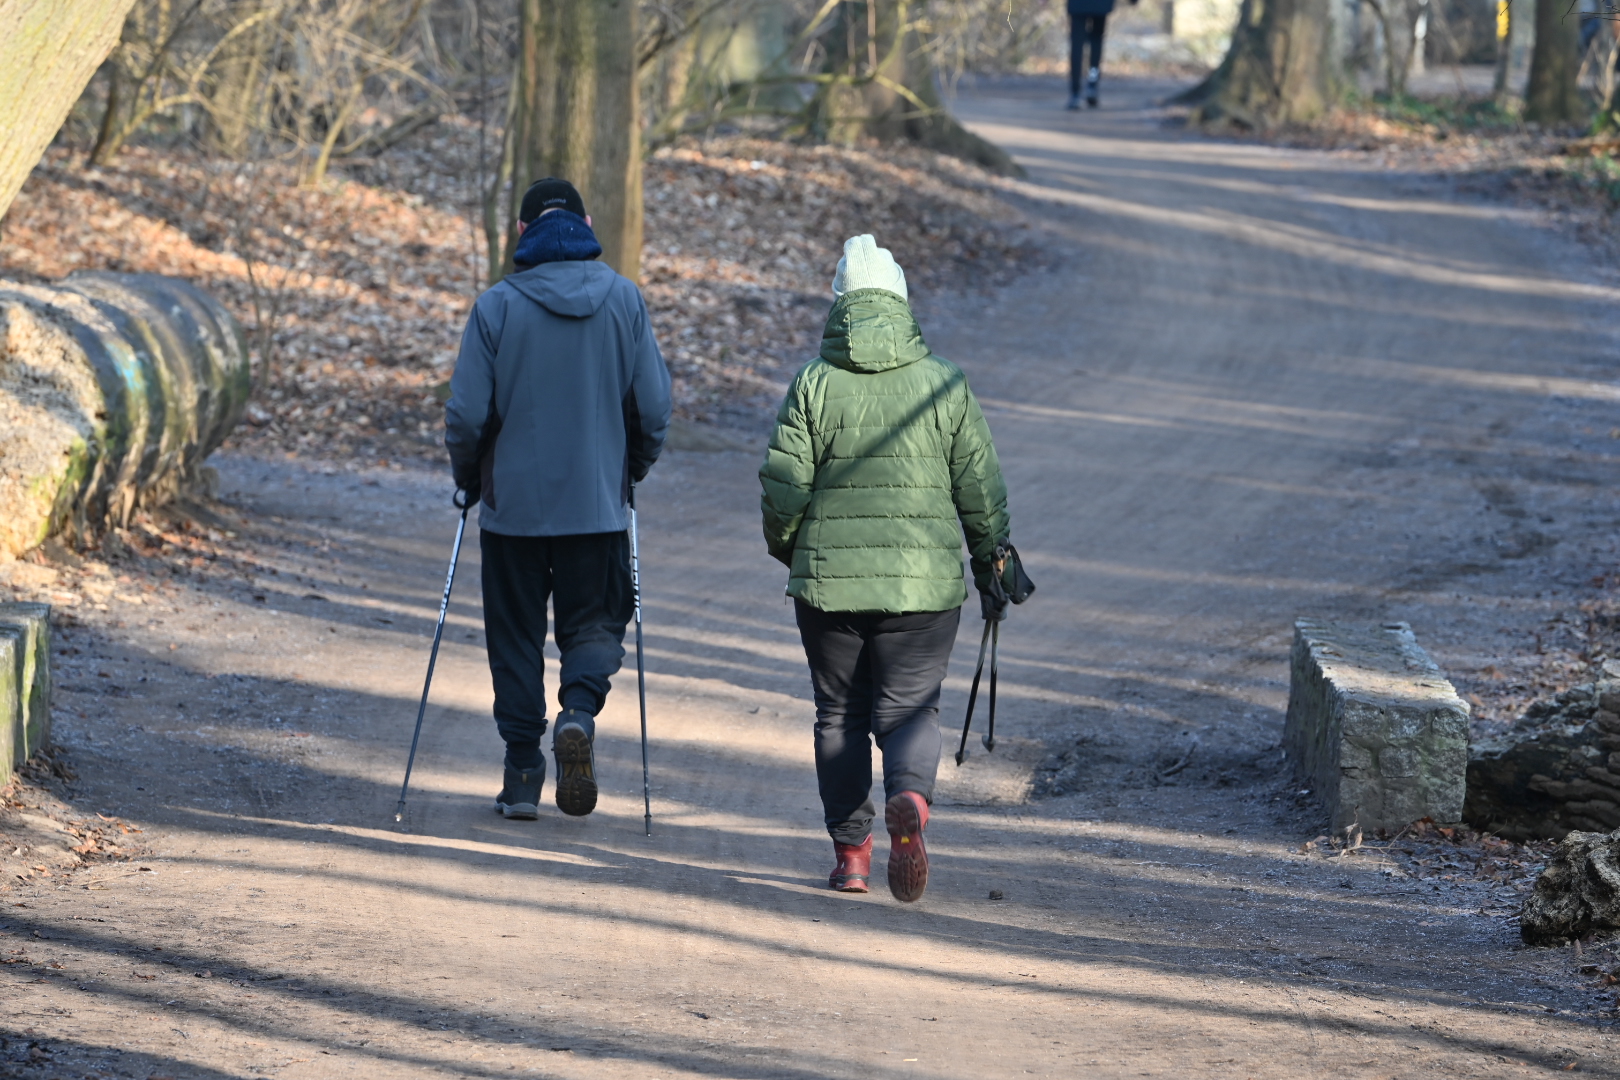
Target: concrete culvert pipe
[[113, 390]]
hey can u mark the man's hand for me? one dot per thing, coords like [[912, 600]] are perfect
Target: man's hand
[[467, 495]]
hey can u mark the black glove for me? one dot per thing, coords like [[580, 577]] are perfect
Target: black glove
[[1004, 583], [992, 607], [467, 495]]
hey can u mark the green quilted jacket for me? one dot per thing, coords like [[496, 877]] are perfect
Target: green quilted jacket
[[879, 451]]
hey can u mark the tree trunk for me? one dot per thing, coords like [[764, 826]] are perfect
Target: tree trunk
[[1611, 68], [1400, 21], [573, 114], [48, 51], [1280, 68], [1516, 37], [1552, 97], [878, 84]]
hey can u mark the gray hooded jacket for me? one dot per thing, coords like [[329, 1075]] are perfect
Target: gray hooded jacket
[[560, 399]]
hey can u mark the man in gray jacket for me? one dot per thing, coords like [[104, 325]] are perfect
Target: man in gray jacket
[[559, 402]]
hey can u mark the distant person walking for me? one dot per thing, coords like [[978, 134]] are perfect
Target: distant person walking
[[879, 463], [1087, 21], [559, 402]]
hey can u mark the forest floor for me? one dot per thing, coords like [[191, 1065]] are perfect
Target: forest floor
[[361, 285], [1457, 132], [1236, 385]]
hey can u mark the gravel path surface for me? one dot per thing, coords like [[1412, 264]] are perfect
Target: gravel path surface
[[1259, 383]]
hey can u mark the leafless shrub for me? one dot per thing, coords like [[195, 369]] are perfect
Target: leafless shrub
[[312, 79]]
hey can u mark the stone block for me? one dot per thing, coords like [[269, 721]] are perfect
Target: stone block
[[25, 684], [1374, 727]]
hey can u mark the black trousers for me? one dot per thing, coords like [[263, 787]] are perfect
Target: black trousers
[[587, 579], [875, 677], [1083, 29]]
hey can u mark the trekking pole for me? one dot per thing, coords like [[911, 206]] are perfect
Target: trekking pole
[[973, 694], [433, 657], [989, 740], [641, 662]]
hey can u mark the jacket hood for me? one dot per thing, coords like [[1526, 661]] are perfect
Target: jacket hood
[[871, 330], [557, 236], [572, 289]]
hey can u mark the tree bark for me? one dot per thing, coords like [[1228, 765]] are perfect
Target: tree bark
[[1280, 68], [1552, 97], [573, 114], [877, 83], [48, 51]]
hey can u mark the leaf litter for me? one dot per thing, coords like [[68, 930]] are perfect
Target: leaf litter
[[362, 286]]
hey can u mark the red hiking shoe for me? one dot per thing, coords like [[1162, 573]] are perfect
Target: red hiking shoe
[[853, 868], [906, 815]]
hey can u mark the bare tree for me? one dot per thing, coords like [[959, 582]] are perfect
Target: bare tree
[[878, 81], [1399, 20], [271, 76], [1515, 35], [573, 113], [705, 62], [1552, 96], [1279, 69], [152, 72], [50, 50], [1603, 60]]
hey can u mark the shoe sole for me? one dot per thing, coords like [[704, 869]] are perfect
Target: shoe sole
[[908, 855], [851, 883], [518, 811], [576, 771]]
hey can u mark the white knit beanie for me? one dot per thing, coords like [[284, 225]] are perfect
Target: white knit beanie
[[867, 266]]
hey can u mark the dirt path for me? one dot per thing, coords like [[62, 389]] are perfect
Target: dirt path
[[1259, 384]]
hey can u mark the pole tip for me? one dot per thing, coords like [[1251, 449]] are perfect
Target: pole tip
[[959, 756]]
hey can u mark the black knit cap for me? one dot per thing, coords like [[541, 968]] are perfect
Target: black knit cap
[[550, 194]]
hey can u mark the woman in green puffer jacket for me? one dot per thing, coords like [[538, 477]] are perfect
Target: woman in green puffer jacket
[[879, 464]]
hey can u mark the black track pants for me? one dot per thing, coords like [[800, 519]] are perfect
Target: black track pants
[[1083, 29], [587, 579], [875, 677]]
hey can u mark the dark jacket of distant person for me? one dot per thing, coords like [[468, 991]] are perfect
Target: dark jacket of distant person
[[1081, 8], [560, 397]]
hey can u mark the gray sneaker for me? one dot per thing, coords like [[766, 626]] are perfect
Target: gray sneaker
[[576, 764], [520, 793]]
